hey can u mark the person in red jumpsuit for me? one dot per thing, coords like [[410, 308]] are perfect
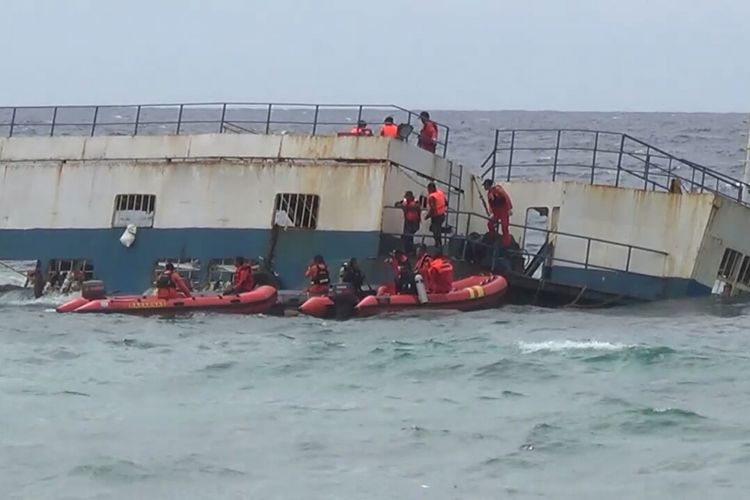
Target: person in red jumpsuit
[[441, 274], [243, 277], [500, 208], [428, 136], [320, 278]]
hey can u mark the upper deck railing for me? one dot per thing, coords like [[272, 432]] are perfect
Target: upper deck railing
[[197, 118], [599, 157]]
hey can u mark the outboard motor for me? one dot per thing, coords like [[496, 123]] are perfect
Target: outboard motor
[[93, 290], [344, 299]]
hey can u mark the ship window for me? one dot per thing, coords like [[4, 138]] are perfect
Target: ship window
[[189, 269], [17, 273], [744, 276], [729, 264], [67, 275], [135, 209], [296, 210], [221, 273]]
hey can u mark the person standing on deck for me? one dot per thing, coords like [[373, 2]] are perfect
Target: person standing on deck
[[437, 206], [361, 129], [320, 278], [500, 208], [428, 136], [243, 277], [170, 283], [412, 220], [389, 129]]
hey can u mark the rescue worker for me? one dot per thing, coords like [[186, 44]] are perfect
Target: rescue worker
[[440, 274], [412, 213], [422, 266], [404, 276], [361, 129], [351, 273], [320, 278], [389, 129], [428, 136], [170, 285], [243, 277], [437, 206], [500, 208]]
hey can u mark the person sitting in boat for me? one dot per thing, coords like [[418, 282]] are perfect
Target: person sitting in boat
[[352, 274], [404, 276], [170, 285], [243, 277], [319, 276], [440, 274]]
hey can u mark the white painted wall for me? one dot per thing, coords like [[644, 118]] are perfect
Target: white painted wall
[[729, 227], [220, 193]]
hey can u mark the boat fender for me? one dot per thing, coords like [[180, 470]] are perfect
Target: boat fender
[[421, 290], [128, 236]]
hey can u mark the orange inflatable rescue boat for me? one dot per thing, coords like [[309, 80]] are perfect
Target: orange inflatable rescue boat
[[469, 294], [94, 300]]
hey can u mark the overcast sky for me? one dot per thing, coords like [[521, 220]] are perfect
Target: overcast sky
[[627, 55]]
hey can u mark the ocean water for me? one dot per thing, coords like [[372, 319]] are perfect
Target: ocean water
[[520, 402]]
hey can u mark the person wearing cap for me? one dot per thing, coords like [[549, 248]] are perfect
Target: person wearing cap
[[361, 129], [412, 220], [389, 129], [428, 136], [500, 208]]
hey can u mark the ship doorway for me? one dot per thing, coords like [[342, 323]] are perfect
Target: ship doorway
[[535, 235]]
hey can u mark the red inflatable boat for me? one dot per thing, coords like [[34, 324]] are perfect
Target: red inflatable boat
[[469, 294], [339, 303], [259, 300]]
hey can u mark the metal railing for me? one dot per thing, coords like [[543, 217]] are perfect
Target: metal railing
[[599, 157], [157, 119], [585, 262]]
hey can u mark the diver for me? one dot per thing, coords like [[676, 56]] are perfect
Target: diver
[[403, 273], [351, 273]]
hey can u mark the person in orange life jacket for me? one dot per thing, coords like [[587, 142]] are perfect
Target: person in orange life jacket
[[440, 274], [402, 272], [412, 220], [500, 209], [422, 267], [243, 277], [428, 136], [389, 129], [361, 129], [437, 206], [319, 276], [170, 285]]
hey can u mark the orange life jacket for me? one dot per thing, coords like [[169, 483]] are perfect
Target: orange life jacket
[[360, 131], [441, 275], [440, 205], [389, 130], [411, 210]]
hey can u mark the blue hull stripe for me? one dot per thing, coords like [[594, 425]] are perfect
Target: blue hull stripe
[[128, 270]]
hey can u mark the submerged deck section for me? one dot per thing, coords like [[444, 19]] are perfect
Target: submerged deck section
[[609, 213]]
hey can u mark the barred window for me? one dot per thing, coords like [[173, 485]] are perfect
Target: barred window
[[135, 209], [729, 263], [67, 275], [190, 269], [744, 276], [296, 210]]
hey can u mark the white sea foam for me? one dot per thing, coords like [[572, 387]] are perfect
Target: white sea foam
[[571, 345]]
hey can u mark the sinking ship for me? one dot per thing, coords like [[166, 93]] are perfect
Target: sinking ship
[[115, 192]]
